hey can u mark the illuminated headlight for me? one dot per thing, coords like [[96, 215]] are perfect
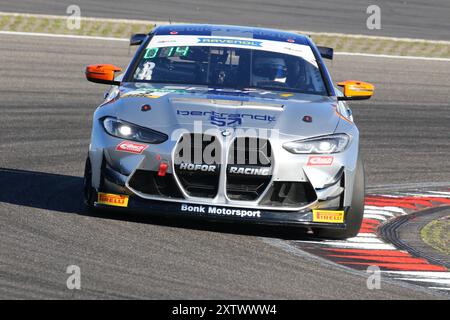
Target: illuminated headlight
[[327, 144], [126, 130]]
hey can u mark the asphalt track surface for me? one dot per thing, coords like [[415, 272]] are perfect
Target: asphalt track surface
[[46, 108], [399, 18]]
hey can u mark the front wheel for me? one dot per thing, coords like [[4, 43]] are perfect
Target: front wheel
[[89, 192], [355, 213]]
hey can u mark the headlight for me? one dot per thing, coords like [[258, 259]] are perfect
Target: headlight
[[326, 144], [126, 130]]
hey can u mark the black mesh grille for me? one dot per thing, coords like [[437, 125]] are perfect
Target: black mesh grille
[[249, 168], [197, 159]]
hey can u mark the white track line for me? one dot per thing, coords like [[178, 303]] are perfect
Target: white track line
[[437, 278], [162, 22], [419, 274], [355, 245], [389, 208], [123, 39], [54, 35], [363, 239], [440, 193], [379, 212], [366, 235], [372, 55], [431, 194], [392, 195], [375, 216], [428, 280], [440, 288]]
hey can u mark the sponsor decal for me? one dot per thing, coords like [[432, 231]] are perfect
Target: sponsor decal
[[236, 94], [320, 161], [153, 93], [222, 119], [220, 211], [329, 216], [149, 94], [227, 120], [225, 41], [249, 171], [131, 147], [115, 200], [280, 45], [198, 167]]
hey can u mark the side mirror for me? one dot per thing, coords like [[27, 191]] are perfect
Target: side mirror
[[102, 73], [356, 90], [326, 53], [137, 39]]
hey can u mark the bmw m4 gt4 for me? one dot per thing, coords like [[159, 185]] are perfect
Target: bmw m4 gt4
[[228, 123]]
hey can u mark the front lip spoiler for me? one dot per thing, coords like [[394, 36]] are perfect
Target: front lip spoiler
[[267, 217]]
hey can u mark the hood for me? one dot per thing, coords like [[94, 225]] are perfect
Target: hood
[[174, 107]]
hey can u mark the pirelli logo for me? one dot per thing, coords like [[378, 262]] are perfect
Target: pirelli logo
[[115, 200], [328, 216]]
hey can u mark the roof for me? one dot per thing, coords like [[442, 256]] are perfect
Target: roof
[[231, 31]]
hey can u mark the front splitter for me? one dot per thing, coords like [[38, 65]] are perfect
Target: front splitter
[[219, 213]]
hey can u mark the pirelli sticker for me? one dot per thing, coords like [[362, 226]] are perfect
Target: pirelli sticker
[[115, 200], [328, 216]]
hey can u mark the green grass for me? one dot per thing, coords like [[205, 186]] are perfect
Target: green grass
[[16, 22], [437, 235], [4, 21], [105, 28]]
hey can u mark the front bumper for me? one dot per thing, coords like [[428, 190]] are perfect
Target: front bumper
[[114, 171], [303, 218]]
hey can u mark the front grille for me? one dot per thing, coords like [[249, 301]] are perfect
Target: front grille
[[249, 168], [197, 159], [148, 182], [289, 194], [250, 151]]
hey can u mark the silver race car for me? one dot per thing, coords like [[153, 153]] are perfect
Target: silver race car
[[228, 123]]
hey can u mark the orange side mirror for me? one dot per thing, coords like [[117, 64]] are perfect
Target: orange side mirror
[[102, 73], [356, 90]]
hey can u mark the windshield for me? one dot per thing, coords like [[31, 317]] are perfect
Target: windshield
[[229, 67]]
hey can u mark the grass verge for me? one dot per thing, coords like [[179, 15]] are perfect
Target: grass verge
[[120, 28], [437, 234]]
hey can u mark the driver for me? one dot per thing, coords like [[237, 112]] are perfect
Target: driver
[[269, 69], [297, 75]]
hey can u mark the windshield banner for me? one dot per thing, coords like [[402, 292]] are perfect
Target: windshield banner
[[299, 50]]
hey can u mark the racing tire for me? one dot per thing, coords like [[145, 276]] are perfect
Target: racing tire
[[354, 214], [90, 194]]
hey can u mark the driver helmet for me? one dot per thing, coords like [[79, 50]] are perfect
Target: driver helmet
[[269, 69]]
